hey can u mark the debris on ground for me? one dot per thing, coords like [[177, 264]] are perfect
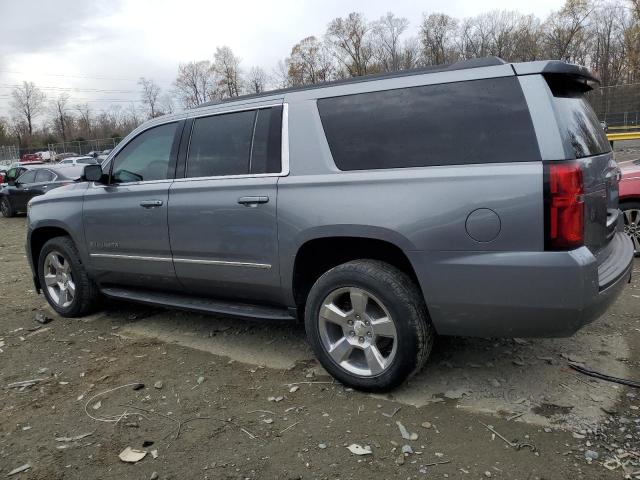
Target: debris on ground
[[154, 454], [132, 455], [405, 433], [603, 376], [20, 469], [42, 318], [74, 439], [294, 389], [25, 383], [359, 449], [158, 385], [406, 449], [200, 380], [390, 415], [275, 399]]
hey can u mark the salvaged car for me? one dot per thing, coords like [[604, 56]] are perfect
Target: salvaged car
[[478, 199]]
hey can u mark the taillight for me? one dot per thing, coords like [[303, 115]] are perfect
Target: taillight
[[564, 206]]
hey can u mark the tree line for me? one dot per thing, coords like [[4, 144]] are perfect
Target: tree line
[[601, 34]]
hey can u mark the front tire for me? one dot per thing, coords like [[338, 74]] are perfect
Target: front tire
[[631, 214], [368, 325], [64, 279], [6, 208]]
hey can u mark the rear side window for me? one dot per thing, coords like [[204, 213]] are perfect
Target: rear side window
[[478, 121], [236, 144], [44, 176], [582, 134]]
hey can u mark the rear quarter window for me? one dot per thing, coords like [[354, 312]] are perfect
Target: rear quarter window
[[478, 121]]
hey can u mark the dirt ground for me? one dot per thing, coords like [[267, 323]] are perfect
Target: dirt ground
[[227, 406]]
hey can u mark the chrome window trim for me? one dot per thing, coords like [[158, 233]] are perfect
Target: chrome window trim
[[284, 140], [181, 260]]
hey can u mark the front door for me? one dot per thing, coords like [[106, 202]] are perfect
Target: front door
[[222, 215], [125, 221]]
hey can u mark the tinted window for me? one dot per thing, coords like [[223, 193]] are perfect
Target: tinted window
[[220, 145], [88, 161], [580, 128], [146, 157], [66, 161], [267, 144], [28, 177], [479, 121], [44, 176]]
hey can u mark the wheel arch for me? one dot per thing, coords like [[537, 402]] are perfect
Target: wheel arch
[[36, 240], [327, 249]]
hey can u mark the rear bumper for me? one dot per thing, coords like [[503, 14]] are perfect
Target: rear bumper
[[520, 294]]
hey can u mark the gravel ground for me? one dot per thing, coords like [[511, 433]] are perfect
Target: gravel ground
[[232, 399]]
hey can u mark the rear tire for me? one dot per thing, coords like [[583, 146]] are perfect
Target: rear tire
[[6, 208], [631, 214], [368, 325], [64, 279]]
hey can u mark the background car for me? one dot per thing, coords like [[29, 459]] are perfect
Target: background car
[[33, 182], [3, 172], [30, 158], [18, 168], [62, 156], [79, 161], [630, 202]]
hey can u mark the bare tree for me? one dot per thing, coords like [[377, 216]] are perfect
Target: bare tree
[[195, 83], [438, 36], [150, 93], [310, 62], [281, 74], [351, 39], [565, 31], [227, 68], [27, 103], [257, 80], [85, 119], [166, 104], [387, 46], [59, 113]]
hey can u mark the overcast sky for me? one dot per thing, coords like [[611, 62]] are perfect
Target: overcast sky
[[101, 47]]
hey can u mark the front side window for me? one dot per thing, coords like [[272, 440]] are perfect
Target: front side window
[[236, 144], [28, 177], [146, 157]]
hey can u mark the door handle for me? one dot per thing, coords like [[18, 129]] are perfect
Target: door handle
[[151, 203], [252, 201]]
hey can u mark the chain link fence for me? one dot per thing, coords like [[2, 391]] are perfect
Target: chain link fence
[[9, 154], [82, 147], [618, 105]]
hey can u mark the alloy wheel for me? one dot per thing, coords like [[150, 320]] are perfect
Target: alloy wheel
[[632, 227], [357, 331], [58, 279]]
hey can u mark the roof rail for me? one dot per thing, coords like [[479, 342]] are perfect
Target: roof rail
[[461, 65]]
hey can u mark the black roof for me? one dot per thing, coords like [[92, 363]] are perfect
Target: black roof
[[462, 65]]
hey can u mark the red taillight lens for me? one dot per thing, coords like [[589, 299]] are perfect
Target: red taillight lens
[[564, 200]]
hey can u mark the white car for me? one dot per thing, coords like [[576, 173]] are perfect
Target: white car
[[78, 161]]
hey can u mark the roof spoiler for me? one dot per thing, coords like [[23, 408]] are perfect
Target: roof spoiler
[[556, 67]]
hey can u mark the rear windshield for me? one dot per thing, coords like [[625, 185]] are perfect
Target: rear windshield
[[477, 121], [581, 131]]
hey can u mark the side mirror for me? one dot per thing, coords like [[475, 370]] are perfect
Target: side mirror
[[93, 173], [95, 154]]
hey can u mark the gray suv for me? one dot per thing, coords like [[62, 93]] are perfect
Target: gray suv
[[476, 199]]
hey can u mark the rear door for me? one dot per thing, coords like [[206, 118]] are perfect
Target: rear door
[[222, 214], [125, 221]]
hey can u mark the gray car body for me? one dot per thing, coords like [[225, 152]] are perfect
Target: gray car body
[[509, 286]]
